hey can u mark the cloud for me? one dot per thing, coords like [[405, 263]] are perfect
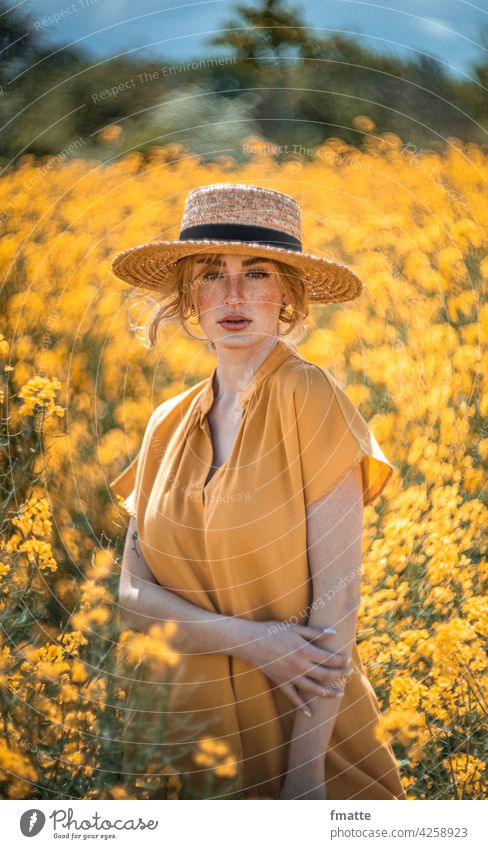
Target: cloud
[[437, 27]]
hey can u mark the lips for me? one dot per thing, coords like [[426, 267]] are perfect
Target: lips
[[234, 317], [234, 322]]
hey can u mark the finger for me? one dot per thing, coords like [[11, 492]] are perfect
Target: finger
[[311, 687], [329, 677], [295, 698], [323, 685], [325, 657], [311, 632], [314, 634]]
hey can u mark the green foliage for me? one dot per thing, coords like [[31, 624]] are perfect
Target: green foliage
[[287, 82]]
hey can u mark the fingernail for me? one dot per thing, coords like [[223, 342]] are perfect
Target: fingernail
[[329, 631], [306, 712]]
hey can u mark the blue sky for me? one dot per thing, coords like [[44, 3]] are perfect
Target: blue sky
[[446, 29]]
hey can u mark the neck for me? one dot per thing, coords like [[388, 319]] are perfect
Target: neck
[[236, 367]]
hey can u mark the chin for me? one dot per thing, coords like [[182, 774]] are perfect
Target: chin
[[239, 340]]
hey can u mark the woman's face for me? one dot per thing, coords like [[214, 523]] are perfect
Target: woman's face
[[237, 285]]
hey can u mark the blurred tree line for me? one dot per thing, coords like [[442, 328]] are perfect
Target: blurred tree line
[[267, 73]]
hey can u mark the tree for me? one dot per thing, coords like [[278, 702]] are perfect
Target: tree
[[18, 41], [265, 32]]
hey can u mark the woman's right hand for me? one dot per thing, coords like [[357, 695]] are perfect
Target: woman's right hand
[[289, 655]]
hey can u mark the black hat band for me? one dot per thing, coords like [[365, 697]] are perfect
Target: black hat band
[[242, 233]]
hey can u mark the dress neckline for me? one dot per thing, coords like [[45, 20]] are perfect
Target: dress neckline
[[280, 351]]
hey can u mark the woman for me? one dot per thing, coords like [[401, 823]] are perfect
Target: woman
[[246, 502]]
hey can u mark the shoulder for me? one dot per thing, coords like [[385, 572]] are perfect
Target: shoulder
[[174, 407], [314, 398], [181, 400], [308, 386], [157, 433]]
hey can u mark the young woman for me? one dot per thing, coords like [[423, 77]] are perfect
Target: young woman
[[246, 502]]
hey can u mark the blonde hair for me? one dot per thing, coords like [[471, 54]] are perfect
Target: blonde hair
[[180, 307]]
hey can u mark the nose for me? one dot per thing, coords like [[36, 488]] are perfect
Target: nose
[[234, 285]]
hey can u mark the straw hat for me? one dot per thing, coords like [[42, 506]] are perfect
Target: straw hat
[[234, 218]]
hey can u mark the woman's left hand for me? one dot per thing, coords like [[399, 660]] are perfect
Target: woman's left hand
[[312, 787]]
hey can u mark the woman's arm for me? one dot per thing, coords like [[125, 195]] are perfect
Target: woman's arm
[[284, 653], [334, 536], [144, 603]]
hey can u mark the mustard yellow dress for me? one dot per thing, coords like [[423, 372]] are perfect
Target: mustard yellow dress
[[237, 547]]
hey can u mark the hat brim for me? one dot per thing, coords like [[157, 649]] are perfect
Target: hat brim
[[152, 266]]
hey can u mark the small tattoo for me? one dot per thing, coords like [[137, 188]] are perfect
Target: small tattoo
[[135, 538]]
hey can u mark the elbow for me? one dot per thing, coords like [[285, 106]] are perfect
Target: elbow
[[345, 598], [352, 599], [344, 608], [126, 599], [349, 604], [127, 619], [347, 612]]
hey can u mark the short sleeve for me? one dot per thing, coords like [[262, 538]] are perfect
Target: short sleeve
[[124, 485], [333, 437], [134, 483]]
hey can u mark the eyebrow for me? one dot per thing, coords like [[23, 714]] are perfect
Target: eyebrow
[[247, 262]]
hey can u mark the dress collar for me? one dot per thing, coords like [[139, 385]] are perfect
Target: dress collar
[[276, 356]]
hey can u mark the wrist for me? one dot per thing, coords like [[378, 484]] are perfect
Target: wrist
[[305, 781], [300, 772], [243, 636]]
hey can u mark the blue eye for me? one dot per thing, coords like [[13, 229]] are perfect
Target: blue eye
[[254, 271]]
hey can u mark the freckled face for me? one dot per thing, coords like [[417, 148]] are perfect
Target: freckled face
[[237, 286]]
